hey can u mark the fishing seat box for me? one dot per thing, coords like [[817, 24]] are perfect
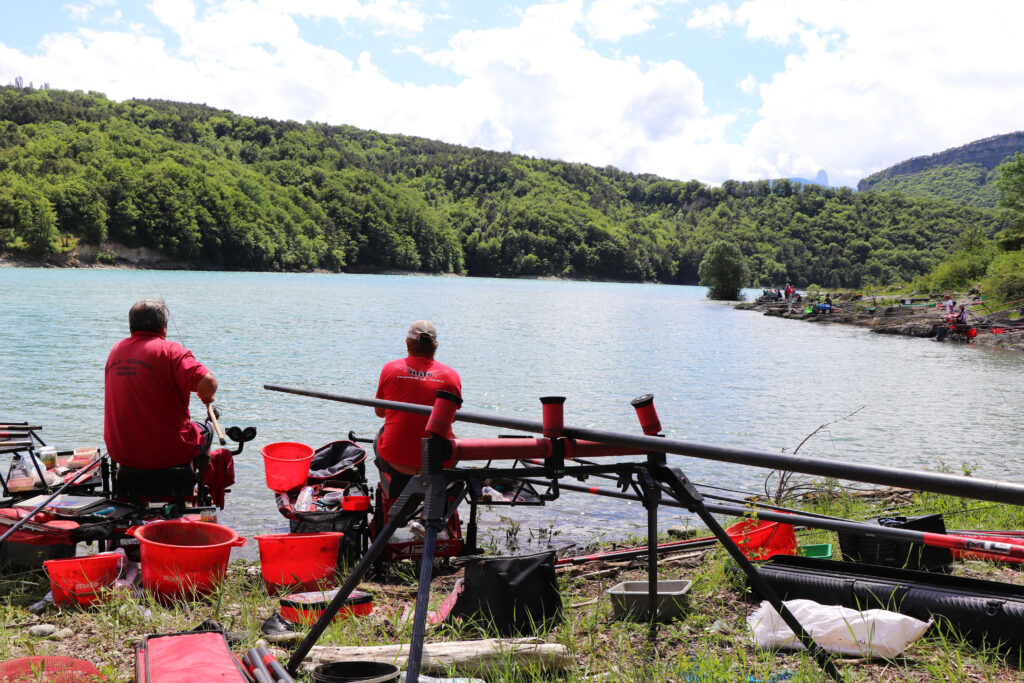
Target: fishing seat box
[[187, 658], [905, 555]]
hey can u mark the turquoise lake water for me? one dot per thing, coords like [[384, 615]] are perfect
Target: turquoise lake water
[[718, 375]]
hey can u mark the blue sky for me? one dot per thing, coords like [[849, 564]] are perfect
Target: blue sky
[[682, 88]]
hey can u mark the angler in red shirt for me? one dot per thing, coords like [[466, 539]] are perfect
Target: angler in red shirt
[[149, 381], [414, 379]]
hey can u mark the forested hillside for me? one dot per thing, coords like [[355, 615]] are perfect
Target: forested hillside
[[966, 174], [215, 189], [968, 184]]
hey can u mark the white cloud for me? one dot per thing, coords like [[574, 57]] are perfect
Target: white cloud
[[175, 14], [389, 16], [713, 17], [613, 20], [876, 82], [748, 84]]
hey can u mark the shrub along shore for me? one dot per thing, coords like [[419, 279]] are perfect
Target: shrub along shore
[[710, 642]]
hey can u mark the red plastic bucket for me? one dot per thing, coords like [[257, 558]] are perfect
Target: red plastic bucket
[[183, 559], [286, 465], [759, 539], [355, 503], [307, 608], [302, 562], [80, 579]]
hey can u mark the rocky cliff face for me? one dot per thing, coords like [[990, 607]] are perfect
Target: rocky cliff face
[[989, 152]]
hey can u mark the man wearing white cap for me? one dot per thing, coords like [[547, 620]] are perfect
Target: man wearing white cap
[[414, 379]]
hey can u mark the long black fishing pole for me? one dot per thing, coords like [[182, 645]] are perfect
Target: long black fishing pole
[[968, 487]]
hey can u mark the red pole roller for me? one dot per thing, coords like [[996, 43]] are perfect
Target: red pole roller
[[443, 413], [525, 448], [644, 406], [553, 416]]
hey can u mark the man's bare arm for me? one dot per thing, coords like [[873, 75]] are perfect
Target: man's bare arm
[[207, 388]]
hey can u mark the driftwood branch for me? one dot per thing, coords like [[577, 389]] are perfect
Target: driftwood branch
[[472, 657], [783, 489]]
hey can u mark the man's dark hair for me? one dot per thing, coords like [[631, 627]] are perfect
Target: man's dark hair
[[424, 346], [148, 315]]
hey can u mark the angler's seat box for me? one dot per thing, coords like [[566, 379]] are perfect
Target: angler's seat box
[[904, 555]]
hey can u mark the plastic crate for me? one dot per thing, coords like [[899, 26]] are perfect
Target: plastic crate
[[819, 551], [631, 600], [904, 555]]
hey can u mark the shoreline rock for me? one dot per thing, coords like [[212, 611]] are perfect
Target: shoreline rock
[[891, 316]]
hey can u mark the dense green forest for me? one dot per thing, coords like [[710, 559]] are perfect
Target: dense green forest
[[218, 190], [970, 184], [996, 264]]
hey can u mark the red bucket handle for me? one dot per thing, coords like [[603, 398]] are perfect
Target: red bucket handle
[[239, 541], [132, 530]]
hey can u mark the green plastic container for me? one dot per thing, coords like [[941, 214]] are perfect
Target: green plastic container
[[819, 551]]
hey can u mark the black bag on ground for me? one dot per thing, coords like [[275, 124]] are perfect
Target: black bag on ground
[[510, 595]]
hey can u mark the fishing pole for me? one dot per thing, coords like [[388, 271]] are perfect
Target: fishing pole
[[799, 518], [964, 487]]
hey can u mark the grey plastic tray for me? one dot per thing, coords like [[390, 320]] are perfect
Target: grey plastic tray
[[630, 600]]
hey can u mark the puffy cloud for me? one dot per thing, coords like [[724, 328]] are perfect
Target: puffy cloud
[[876, 82], [713, 17], [614, 19], [748, 84], [389, 16], [175, 14]]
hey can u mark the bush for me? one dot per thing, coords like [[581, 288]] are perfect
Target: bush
[[1005, 278], [723, 271]]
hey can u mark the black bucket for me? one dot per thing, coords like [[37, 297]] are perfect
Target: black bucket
[[353, 672]]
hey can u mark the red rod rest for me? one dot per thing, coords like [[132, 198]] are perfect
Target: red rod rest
[[554, 419], [524, 448], [648, 416], [530, 448], [443, 413]]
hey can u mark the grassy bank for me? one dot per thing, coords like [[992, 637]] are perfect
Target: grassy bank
[[709, 644]]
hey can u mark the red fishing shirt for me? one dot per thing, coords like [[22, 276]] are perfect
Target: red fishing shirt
[[146, 421], [411, 380]]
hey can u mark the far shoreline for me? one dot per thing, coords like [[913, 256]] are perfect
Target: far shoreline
[[890, 315]]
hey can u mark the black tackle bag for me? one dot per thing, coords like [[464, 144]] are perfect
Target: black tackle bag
[[510, 595]]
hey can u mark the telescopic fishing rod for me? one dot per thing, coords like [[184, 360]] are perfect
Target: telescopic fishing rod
[[967, 487], [800, 518]]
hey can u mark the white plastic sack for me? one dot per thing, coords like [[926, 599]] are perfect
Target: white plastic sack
[[839, 630]]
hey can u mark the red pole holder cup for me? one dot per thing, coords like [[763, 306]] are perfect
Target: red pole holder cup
[[443, 414], [553, 416], [644, 406]]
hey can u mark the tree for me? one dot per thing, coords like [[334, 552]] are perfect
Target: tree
[[723, 270], [1011, 200]]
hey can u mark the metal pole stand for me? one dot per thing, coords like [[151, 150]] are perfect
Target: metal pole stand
[[429, 488], [683, 490]]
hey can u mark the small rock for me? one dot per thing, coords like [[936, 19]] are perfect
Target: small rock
[[720, 626], [42, 630], [64, 633], [253, 571]]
